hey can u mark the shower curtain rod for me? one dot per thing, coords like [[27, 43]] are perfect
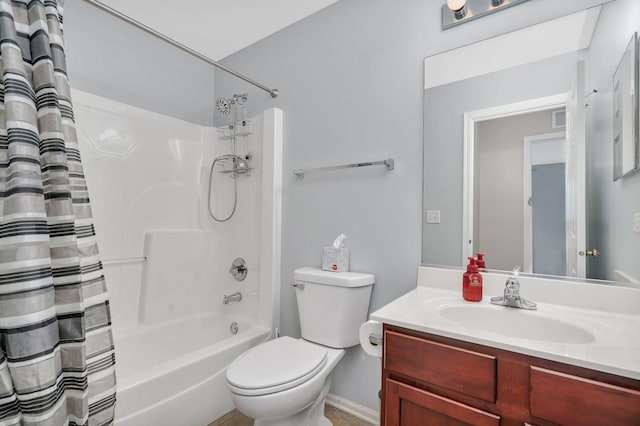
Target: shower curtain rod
[[104, 7]]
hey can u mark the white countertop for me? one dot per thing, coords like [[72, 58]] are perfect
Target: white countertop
[[614, 348]]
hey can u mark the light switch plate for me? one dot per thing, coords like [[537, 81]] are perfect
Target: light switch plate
[[433, 216], [636, 223]]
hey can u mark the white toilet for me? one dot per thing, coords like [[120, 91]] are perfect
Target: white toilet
[[285, 381]]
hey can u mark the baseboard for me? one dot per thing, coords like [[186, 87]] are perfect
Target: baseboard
[[356, 410]]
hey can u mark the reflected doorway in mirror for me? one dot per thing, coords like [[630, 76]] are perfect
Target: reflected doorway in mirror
[[480, 229]]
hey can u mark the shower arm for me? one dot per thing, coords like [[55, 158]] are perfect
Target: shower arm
[[122, 16]]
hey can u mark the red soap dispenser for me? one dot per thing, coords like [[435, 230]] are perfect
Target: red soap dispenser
[[472, 282], [480, 261]]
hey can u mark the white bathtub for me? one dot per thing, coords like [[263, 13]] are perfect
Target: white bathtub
[[174, 373]]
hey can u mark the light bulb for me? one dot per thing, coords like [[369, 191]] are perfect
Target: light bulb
[[456, 5]]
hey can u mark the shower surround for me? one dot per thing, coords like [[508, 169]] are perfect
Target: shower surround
[[167, 262]]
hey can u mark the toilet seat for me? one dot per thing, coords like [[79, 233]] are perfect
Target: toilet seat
[[275, 366]]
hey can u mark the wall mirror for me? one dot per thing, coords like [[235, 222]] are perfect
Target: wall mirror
[[518, 151]]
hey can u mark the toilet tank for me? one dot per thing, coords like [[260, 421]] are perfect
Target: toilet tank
[[332, 305]]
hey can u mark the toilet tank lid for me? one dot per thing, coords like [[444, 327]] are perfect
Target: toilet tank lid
[[338, 279]]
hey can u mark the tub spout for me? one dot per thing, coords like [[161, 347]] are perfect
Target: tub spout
[[235, 297]]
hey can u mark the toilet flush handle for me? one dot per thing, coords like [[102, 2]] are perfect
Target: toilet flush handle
[[298, 285]]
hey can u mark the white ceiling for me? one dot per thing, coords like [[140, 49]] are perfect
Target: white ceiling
[[218, 28]]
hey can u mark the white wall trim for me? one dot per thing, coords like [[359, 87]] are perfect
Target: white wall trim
[[360, 411], [470, 119]]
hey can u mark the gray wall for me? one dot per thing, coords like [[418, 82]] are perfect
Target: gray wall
[[611, 204], [351, 79], [110, 58], [444, 109]]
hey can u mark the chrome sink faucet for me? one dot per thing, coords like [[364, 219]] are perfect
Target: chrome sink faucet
[[511, 297], [235, 297]]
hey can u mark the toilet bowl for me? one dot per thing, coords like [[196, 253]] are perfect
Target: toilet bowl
[[284, 382], [294, 387]]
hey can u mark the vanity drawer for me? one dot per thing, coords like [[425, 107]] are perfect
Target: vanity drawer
[[470, 373], [409, 406], [566, 399]]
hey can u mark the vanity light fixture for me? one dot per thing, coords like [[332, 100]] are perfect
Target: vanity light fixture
[[458, 7], [456, 12]]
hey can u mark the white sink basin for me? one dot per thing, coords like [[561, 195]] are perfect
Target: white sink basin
[[518, 323]]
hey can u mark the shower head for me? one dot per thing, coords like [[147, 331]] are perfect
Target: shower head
[[222, 105]]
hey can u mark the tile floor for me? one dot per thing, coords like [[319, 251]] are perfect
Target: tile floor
[[337, 417]]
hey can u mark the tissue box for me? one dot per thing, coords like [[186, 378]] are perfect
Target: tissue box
[[335, 260]]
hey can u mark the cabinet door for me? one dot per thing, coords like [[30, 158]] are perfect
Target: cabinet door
[[409, 406]]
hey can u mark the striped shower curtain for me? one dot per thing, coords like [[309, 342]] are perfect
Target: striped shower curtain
[[56, 350]]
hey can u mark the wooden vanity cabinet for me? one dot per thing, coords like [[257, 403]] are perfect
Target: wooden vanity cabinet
[[433, 380]]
